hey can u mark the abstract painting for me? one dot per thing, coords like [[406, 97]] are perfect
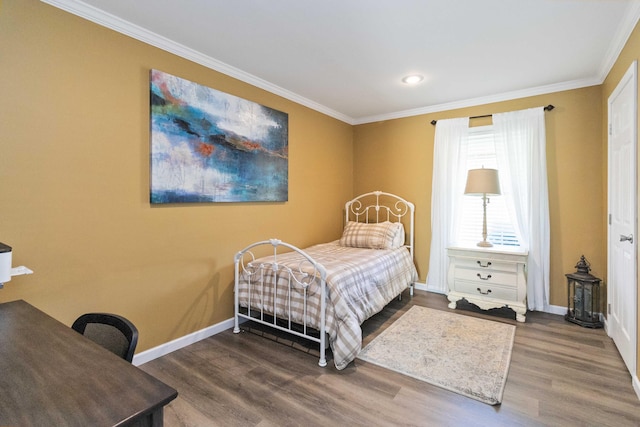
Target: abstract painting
[[209, 146]]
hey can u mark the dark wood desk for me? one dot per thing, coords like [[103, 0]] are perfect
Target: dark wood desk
[[52, 376]]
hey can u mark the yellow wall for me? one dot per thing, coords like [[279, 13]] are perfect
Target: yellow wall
[[398, 154], [74, 173], [74, 167], [630, 53], [401, 154]]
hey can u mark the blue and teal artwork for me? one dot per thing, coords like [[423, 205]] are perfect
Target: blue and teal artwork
[[209, 146]]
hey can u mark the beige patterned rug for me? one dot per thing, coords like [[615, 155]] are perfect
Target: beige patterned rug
[[463, 354]]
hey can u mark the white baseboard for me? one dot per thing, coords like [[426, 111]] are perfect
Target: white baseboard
[[163, 349], [178, 343], [194, 337], [425, 287], [555, 309]]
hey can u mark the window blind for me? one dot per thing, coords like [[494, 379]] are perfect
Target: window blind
[[481, 152]]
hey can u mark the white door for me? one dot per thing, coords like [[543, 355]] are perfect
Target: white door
[[622, 271]]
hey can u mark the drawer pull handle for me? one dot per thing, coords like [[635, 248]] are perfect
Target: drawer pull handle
[[484, 293], [484, 278], [484, 266]]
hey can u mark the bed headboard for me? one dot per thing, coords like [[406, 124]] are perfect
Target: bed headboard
[[379, 206]]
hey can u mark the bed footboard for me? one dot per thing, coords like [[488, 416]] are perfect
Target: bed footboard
[[285, 297]]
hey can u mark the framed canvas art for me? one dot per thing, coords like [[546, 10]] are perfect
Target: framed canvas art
[[209, 146]]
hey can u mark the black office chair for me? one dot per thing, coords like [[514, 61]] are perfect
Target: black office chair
[[113, 332]]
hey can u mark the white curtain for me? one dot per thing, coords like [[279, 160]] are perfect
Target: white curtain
[[521, 153], [448, 181]]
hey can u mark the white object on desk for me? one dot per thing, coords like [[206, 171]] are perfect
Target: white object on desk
[[17, 271], [488, 278], [6, 272], [5, 263]]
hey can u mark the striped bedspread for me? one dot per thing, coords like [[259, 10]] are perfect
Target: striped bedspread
[[360, 282]]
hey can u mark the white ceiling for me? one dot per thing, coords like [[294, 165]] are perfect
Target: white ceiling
[[346, 58]]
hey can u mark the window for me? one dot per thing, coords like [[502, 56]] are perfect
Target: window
[[481, 152], [519, 139]]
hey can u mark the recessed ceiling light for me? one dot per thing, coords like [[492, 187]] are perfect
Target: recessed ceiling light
[[412, 79]]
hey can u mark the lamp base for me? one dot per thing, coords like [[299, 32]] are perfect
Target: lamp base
[[485, 244]]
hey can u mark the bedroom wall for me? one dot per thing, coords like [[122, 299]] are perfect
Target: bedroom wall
[[401, 153], [74, 167]]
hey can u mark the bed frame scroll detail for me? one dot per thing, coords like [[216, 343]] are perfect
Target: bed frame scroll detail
[[308, 278], [378, 206]]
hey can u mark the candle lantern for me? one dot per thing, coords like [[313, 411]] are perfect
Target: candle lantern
[[583, 300]]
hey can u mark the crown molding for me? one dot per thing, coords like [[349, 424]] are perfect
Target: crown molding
[[506, 96], [115, 23], [631, 17], [107, 20]]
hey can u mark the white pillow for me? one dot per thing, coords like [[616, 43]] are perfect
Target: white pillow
[[382, 235], [398, 242]]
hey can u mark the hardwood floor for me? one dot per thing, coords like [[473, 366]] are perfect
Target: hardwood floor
[[560, 375]]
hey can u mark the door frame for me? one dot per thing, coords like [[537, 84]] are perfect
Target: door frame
[[632, 75]]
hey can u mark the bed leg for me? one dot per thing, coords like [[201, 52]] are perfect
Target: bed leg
[[236, 323], [411, 289], [323, 360]]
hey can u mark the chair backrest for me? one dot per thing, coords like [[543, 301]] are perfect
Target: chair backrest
[[113, 332]]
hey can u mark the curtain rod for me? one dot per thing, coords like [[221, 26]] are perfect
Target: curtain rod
[[547, 108]]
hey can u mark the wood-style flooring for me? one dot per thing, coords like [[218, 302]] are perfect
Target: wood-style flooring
[[560, 375]]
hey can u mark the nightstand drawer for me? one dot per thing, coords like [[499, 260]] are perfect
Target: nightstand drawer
[[487, 290], [487, 277], [486, 264]]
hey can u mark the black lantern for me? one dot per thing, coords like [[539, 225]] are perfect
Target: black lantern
[[583, 301]]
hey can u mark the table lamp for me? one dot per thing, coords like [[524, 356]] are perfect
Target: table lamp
[[483, 182]]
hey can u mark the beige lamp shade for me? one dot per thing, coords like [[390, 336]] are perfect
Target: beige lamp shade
[[482, 181]]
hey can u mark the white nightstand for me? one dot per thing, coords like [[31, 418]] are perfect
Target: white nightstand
[[488, 278]]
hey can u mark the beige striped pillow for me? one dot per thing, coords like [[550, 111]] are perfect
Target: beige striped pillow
[[383, 235]]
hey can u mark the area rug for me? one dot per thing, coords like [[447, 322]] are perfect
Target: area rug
[[463, 354]]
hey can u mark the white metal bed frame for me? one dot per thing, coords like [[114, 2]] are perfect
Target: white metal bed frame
[[364, 208], [356, 211]]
